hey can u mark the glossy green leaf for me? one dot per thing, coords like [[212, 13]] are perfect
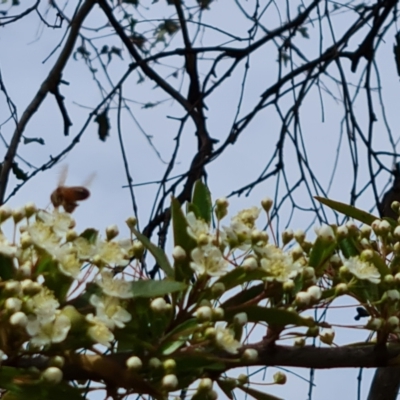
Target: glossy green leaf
[[244, 296], [380, 264], [152, 288], [241, 275], [183, 239], [320, 253], [7, 268], [157, 253], [271, 316], [258, 395], [202, 200], [90, 235], [348, 210], [348, 247]]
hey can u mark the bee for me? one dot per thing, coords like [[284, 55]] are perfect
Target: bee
[[68, 196]]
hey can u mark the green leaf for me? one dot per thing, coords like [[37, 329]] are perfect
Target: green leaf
[[183, 239], [320, 253], [244, 296], [104, 125], [241, 275], [202, 201], [348, 210], [90, 235], [380, 265], [152, 288], [348, 247], [157, 253], [6, 267], [272, 316], [257, 394]]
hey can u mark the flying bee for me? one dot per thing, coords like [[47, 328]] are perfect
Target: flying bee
[[68, 196]]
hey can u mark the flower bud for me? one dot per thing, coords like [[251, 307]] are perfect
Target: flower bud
[[155, 363], [112, 232], [374, 324], [312, 331], [57, 361], [71, 235], [365, 231], [250, 355], [267, 204], [134, 363], [30, 209], [303, 299], [131, 222], [300, 236], [138, 249], [342, 232], [13, 304], [205, 385], [300, 342], [240, 319], [158, 305], [341, 288], [221, 208], [287, 236], [178, 253], [5, 213], [218, 289], [218, 314], [250, 263], [243, 379], [18, 214], [393, 322], [169, 382], [327, 335], [19, 319], [169, 365], [52, 375], [288, 286], [204, 314], [279, 378], [314, 292]]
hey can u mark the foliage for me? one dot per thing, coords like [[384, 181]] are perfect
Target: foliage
[[78, 307]]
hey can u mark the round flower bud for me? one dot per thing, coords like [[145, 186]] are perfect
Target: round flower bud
[[5, 213], [327, 335], [169, 382], [365, 231], [341, 288], [30, 287], [155, 363], [297, 252], [13, 304], [12, 287], [326, 234], [314, 292], [303, 298], [18, 214], [134, 363], [300, 236], [204, 314], [250, 263], [393, 322], [221, 208], [203, 239], [243, 379], [71, 235], [19, 319], [396, 232], [240, 319], [112, 232], [312, 331], [256, 236], [342, 232], [169, 365], [131, 222], [389, 279], [210, 333], [384, 227], [287, 236], [279, 378], [218, 314], [397, 277], [352, 227], [288, 286], [57, 361], [138, 249], [158, 305], [179, 253], [218, 289], [374, 324], [30, 209], [52, 375], [309, 273], [267, 204], [344, 272], [205, 385], [250, 355]]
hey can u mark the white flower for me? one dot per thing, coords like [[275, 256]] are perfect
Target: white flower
[[59, 222], [112, 253], [44, 305], [225, 340], [114, 287], [54, 331], [99, 331], [363, 270], [109, 311], [85, 250], [208, 260], [196, 227], [278, 265]]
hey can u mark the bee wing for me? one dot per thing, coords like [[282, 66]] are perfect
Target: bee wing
[[88, 181], [63, 175]]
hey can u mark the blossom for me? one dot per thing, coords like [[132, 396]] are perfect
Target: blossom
[[84, 249], [114, 287], [59, 222], [44, 333], [196, 227], [44, 305], [109, 310], [278, 265], [225, 340], [98, 331], [208, 260], [112, 253], [363, 270]]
